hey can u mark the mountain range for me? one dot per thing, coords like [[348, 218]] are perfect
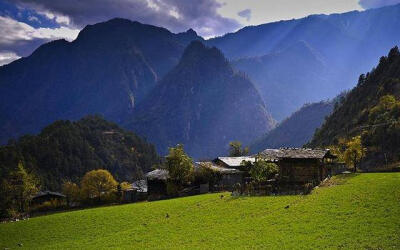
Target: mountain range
[[158, 84], [280, 56], [108, 69]]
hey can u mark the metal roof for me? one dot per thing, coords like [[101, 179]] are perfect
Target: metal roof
[[236, 161]]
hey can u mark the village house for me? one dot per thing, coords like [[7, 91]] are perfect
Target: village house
[[229, 176], [157, 184], [137, 192], [44, 196], [297, 167], [301, 165]]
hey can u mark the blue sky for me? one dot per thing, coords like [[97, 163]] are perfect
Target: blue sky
[[25, 24]]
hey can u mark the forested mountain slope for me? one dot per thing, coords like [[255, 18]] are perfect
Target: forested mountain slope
[[66, 150], [371, 109], [204, 104]]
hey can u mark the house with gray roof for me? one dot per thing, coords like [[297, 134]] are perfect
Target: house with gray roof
[[300, 165]]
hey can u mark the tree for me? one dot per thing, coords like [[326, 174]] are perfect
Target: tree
[[125, 186], [179, 166], [354, 152], [261, 170], [22, 186], [97, 184], [71, 190], [236, 149]]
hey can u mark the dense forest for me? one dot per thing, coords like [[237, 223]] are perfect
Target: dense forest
[[371, 110], [66, 150]]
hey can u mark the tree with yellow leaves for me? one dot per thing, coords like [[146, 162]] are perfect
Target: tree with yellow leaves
[[354, 152], [98, 184]]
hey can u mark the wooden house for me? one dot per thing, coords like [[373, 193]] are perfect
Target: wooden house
[[300, 165], [228, 176], [157, 184], [137, 192], [44, 196]]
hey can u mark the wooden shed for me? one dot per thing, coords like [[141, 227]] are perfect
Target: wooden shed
[[157, 184], [300, 165], [228, 176], [44, 196]]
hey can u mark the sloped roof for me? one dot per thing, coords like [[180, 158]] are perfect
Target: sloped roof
[[217, 168], [44, 193], [295, 153], [140, 186], [236, 161], [158, 174]]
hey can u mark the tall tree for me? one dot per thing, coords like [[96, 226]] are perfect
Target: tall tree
[[20, 188], [354, 152], [179, 166], [236, 149]]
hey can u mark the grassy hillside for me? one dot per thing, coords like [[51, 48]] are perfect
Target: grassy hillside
[[360, 211]]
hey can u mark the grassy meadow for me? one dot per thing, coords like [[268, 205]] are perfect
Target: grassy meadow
[[352, 212]]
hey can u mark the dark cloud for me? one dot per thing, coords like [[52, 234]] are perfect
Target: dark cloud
[[245, 14], [176, 15], [369, 4]]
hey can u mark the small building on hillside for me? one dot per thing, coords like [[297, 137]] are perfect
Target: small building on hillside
[[233, 162], [137, 192], [300, 165], [44, 196], [157, 184], [228, 177]]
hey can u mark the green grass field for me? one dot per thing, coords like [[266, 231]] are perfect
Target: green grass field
[[359, 212]]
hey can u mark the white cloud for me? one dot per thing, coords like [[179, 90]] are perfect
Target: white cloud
[[8, 57], [20, 39], [12, 31], [264, 11]]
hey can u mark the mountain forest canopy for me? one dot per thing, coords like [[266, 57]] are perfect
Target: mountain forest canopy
[[67, 150]]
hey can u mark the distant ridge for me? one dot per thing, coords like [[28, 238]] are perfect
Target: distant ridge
[[202, 103]]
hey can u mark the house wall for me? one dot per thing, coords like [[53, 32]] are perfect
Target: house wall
[[48, 197], [156, 189], [302, 170], [228, 181]]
